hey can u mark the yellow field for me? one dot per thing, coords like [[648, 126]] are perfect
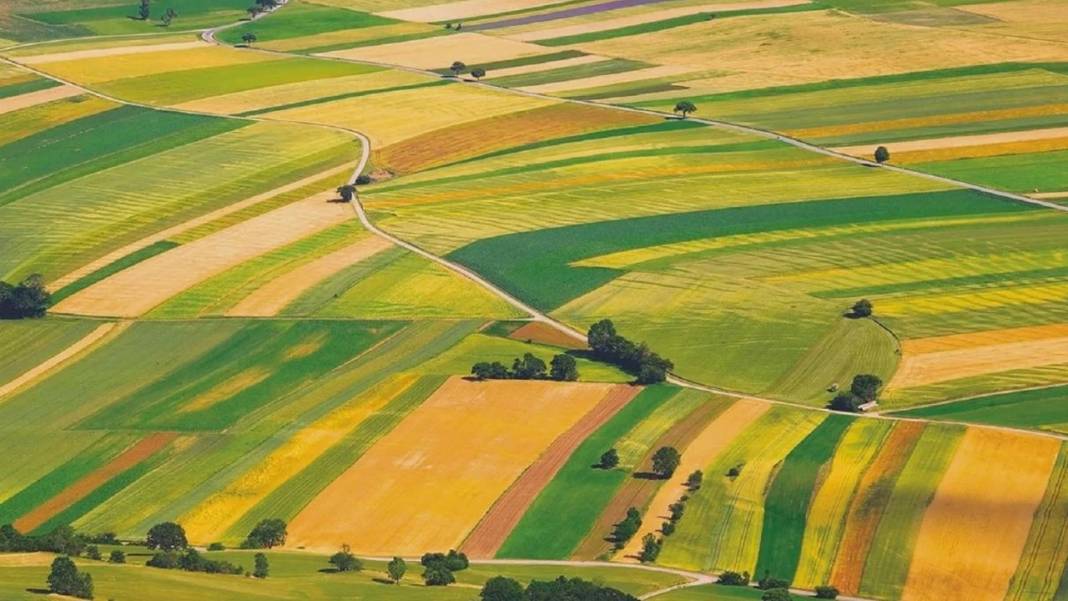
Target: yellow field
[[704, 449], [440, 52], [976, 527], [426, 484], [388, 118], [74, 55], [827, 514], [260, 98], [110, 68], [464, 9], [135, 291], [209, 520], [931, 304], [14, 103]]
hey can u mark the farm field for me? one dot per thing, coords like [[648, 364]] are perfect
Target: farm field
[[278, 239]]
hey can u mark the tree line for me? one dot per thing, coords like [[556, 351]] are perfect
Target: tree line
[[501, 588], [634, 358], [562, 368]]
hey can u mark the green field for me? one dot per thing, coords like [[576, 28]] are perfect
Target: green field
[[1043, 408]]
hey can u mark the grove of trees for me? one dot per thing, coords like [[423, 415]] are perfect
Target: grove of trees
[[28, 298], [607, 345], [666, 461], [528, 367], [500, 588]]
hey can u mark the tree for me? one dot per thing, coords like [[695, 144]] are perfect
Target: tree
[[168, 16], [882, 155], [478, 73], [609, 459], [667, 528], [846, 401], [500, 588], [166, 536], [666, 461], [601, 336], [693, 481], [685, 107], [253, 11], [117, 556], [563, 368], [64, 540], [64, 579], [826, 592], [396, 569], [267, 534], [650, 548], [457, 68], [262, 568], [438, 575], [345, 561], [93, 552], [729, 578], [489, 371], [346, 192], [861, 308], [651, 374], [216, 547], [143, 10], [866, 387], [528, 367], [26, 299], [363, 179], [776, 594], [248, 37], [627, 528], [677, 509]]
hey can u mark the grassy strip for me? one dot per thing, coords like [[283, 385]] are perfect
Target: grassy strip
[[95, 143], [325, 99], [521, 61], [1024, 409], [874, 80], [606, 67], [112, 268], [566, 509], [543, 274], [302, 19], [395, 39], [671, 125], [186, 8], [25, 87], [630, 30], [632, 90], [1031, 276], [786, 506]]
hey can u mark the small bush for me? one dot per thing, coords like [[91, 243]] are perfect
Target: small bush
[[729, 578], [216, 547], [826, 592], [117, 556]]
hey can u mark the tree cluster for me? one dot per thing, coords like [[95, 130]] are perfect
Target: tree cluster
[[500, 588], [63, 540], [439, 567], [636, 359], [267, 534], [28, 298], [864, 389], [730, 578], [562, 368], [64, 579], [665, 461], [826, 592], [624, 530], [769, 582], [861, 308], [192, 561]]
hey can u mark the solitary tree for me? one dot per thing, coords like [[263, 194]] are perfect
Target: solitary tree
[[563, 368], [168, 16], [693, 481], [248, 37], [346, 192], [500, 588], [64, 579], [144, 11], [478, 73], [396, 569], [457, 68], [345, 561], [866, 387], [267, 534], [166, 536], [650, 548], [685, 107], [609, 459], [882, 155], [117, 556], [262, 568], [253, 11], [666, 461], [861, 308]]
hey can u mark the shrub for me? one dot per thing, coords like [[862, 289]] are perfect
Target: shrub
[[667, 528], [93, 552], [729, 578], [117, 556], [165, 560], [262, 568], [826, 592], [216, 547], [694, 480], [363, 179], [677, 509], [769, 582]]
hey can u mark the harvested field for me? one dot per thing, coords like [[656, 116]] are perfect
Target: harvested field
[[909, 146], [441, 469], [40, 59], [137, 290], [604, 80], [145, 448], [273, 297], [941, 366], [437, 52], [464, 9], [59, 358], [486, 539], [211, 519], [14, 103], [866, 508], [955, 555], [702, 451], [647, 17], [542, 333], [22, 560]]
